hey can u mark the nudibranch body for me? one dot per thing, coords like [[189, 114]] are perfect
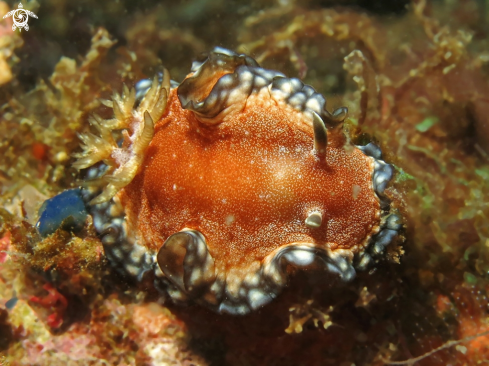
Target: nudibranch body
[[225, 181]]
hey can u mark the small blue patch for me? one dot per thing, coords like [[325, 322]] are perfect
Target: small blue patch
[[11, 303], [66, 210]]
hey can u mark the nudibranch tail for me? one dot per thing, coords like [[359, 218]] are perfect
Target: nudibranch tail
[[123, 162]]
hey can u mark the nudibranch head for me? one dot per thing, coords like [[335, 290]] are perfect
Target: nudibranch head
[[243, 174]]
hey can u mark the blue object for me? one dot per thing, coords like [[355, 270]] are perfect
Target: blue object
[[66, 210], [11, 303]]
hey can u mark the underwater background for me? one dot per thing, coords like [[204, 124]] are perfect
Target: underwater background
[[419, 88]]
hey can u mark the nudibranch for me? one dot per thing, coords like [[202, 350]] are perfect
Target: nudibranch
[[222, 184]]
